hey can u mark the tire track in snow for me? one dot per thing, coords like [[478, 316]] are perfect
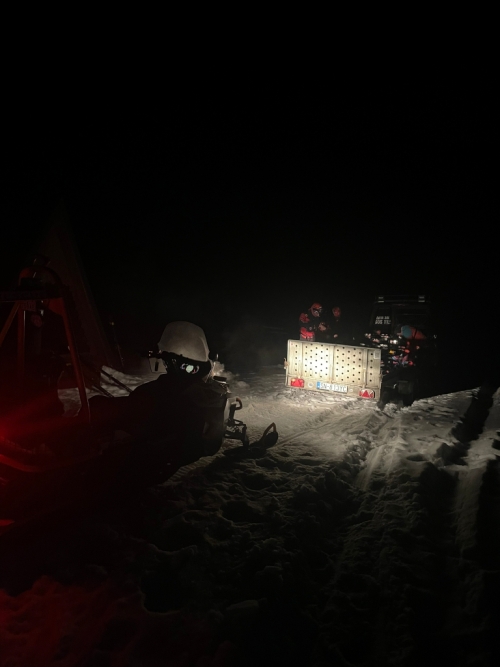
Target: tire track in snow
[[401, 559], [343, 424], [476, 523], [382, 455], [362, 418], [392, 568]]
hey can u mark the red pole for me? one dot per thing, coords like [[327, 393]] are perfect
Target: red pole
[[21, 338], [8, 322], [75, 360]]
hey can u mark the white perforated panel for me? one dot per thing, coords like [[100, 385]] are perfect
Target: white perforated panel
[[316, 361], [373, 368], [356, 367], [348, 364], [294, 358]]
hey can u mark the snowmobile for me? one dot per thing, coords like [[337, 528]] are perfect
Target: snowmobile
[[52, 462], [401, 328]]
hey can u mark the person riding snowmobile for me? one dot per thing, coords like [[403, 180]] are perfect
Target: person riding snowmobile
[[184, 406]]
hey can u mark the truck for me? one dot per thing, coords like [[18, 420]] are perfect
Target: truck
[[403, 329]]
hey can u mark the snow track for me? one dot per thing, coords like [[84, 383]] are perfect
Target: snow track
[[352, 542], [424, 518], [404, 536]]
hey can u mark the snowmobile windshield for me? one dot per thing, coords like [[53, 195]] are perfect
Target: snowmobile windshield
[[184, 339]]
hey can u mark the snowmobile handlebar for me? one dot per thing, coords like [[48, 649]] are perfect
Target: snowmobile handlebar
[[237, 405]]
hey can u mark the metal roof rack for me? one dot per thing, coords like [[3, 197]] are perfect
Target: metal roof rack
[[403, 299]]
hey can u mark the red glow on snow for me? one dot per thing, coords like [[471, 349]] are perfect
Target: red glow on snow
[[64, 624], [29, 421]]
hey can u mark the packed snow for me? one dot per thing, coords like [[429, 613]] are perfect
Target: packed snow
[[352, 541]]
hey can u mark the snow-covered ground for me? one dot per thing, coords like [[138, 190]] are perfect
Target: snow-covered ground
[[350, 542]]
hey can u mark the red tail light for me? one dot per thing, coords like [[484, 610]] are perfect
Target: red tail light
[[366, 393], [297, 382]]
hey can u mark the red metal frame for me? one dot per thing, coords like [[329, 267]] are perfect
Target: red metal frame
[[30, 272]]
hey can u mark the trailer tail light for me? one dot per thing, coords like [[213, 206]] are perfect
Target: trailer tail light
[[366, 393], [296, 382]]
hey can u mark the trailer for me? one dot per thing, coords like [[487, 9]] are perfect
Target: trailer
[[333, 368], [402, 328]]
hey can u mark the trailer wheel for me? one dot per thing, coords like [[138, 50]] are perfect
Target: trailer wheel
[[408, 396], [407, 399], [385, 397]]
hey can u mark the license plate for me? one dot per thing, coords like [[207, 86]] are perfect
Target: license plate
[[332, 387]]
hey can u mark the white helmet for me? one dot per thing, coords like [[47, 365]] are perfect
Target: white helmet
[[185, 339]]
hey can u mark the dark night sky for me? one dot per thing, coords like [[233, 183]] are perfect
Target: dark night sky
[[211, 205]]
